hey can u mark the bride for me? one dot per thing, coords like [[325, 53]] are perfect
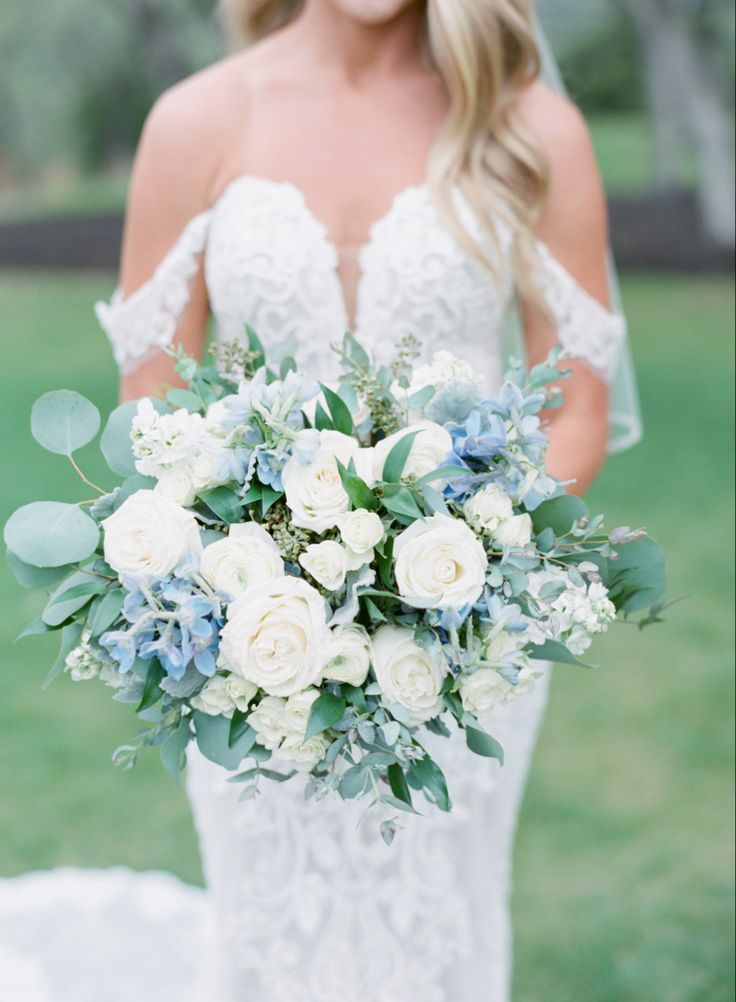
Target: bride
[[395, 167]]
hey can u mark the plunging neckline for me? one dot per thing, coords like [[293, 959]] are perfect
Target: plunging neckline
[[358, 251]]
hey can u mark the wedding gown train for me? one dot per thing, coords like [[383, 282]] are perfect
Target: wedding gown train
[[304, 905]]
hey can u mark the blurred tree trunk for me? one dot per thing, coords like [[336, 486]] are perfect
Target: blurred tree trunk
[[689, 110]]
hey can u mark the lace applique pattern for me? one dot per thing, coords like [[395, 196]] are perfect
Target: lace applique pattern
[[148, 318]]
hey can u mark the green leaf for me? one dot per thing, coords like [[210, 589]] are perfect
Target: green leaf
[[70, 637], [355, 350], [33, 629], [63, 421], [131, 486], [70, 596], [483, 744], [106, 612], [115, 442], [253, 494], [636, 579], [553, 650], [399, 786], [372, 609], [433, 782], [355, 695], [184, 399], [152, 691], [29, 576], [342, 419], [239, 727], [559, 514], [51, 534], [213, 741], [422, 397], [434, 501], [255, 347], [326, 710], [173, 750], [269, 497], [224, 503], [322, 421], [403, 505], [360, 494], [444, 473], [354, 782], [397, 457], [288, 365]]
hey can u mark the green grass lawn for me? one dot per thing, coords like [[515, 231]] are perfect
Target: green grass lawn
[[624, 865]]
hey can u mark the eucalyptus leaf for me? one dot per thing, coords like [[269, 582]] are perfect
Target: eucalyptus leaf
[[173, 750], [29, 576], [483, 744], [51, 534], [553, 650], [559, 514], [213, 741], [70, 637], [326, 711], [106, 612], [354, 782], [33, 629], [70, 596], [184, 400], [63, 421]]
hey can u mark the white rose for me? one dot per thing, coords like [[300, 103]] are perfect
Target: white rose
[[276, 636], [304, 755], [296, 713], [443, 368], [361, 530], [429, 450], [268, 721], [327, 562], [407, 673], [149, 535], [514, 531], [483, 690], [222, 695], [486, 509], [439, 564], [247, 556], [314, 493], [349, 658], [177, 484]]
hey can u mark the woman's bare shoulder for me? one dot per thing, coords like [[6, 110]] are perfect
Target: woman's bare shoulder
[[555, 123]]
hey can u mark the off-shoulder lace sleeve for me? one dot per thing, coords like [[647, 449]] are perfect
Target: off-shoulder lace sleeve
[[147, 319], [585, 327]]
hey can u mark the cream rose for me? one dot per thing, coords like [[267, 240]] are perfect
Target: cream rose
[[276, 636], [304, 755], [407, 673], [429, 450], [489, 507], [360, 530], [439, 564], [327, 562], [483, 690], [296, 713], [149, 535], [247, 556], [177, 484], [349, 657], [223, 694], [514, 531], [314, 493]]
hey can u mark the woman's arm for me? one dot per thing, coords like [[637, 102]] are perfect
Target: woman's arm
[[574, 227], [170, 185]]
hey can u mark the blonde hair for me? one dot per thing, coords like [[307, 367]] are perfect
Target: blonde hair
[[485, 51]]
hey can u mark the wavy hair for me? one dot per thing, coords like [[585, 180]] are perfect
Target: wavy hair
[[485, 51]]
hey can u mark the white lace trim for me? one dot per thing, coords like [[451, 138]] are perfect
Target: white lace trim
[[148, 318], [586, 329]]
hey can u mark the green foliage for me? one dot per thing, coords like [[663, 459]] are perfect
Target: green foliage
[[325, 712], [340, 417], [213, 740], [397, 457], [559, 514], [51, 534], [483, 744], [63, 421]]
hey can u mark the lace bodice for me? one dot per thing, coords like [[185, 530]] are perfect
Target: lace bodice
[[269, 262]]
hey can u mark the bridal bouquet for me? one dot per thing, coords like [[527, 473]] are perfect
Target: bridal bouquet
[[313, 577]]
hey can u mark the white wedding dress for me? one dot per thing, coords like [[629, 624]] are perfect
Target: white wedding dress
[[303, 905]]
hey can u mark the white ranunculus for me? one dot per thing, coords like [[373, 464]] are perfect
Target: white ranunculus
[[443, 368], [327, 563], [268, 721], [430, 449], [361, 530], [407, 673], [247, 556], [223, 694], [514, 531], [314, 492], [276, 636], [349, 657], [439, 564], [149, 535], [304, 755], [489, 507]]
